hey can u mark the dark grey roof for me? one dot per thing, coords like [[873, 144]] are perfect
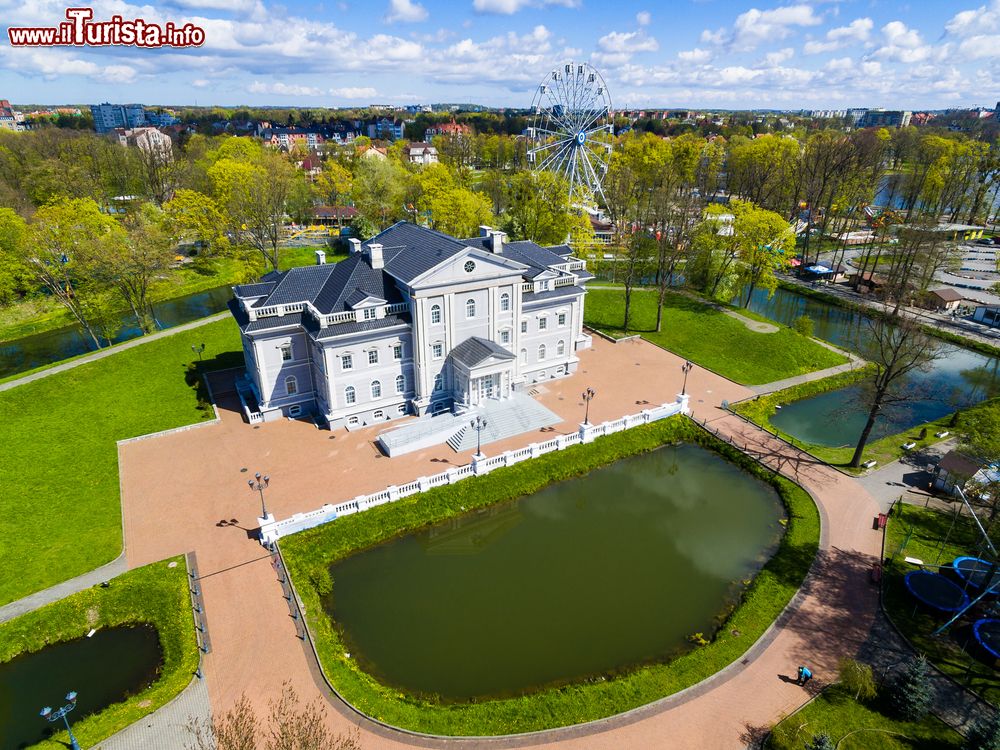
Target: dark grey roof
[[263, 324], [562, 291], [410, 250], [474, 351], [343, 329], [532, 255], [301, 284], [254, 290], [562, 250], [358, 296], [352, 275]]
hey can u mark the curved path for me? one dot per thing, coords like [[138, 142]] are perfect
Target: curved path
[[206, 507]]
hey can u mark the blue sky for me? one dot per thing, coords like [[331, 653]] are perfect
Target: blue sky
[[925, 54]]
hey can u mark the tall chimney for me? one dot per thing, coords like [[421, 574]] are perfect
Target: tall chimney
[[496, 241], [355, 245], [375, 255], [320, 257], [484, 231]]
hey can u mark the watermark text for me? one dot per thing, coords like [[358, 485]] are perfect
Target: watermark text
[[80, 30]]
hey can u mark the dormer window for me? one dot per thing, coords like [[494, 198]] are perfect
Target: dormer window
[[369, 313]]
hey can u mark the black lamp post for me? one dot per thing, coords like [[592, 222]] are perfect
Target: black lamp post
[[686, 368], [60, 713], [587, 396], [259, 484], [478, 424]]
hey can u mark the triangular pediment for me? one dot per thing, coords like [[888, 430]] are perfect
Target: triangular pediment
[[469, 265]]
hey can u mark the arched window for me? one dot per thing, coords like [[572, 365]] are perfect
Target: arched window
[[350, 396], [435, 314], [470, 308], [504, 302], [376, 389], [541, 352], [400, 384], [291, 385], [524, 356], [286, 352], [561, 347]]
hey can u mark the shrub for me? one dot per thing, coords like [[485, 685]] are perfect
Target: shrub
[[984, 734], [804, 325], [955, 419], [923, 433], [820, 741], [910, 693], [857, 678]]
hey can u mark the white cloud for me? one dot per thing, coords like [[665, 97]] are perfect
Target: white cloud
[[354, 92], [774, 59], [858, 30], [508, 7], [279, 88], [714, 37], [902, 44], [757, 26], [643, 18], [200, 83], [696, 55], [982, 19], [405, 11]]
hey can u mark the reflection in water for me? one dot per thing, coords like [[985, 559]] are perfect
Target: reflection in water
[[587, 577]]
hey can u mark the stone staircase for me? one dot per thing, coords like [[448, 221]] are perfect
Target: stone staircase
[[455, 441], [504, 419]]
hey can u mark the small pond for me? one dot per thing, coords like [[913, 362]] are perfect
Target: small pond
[[104, 669], [588, 577]]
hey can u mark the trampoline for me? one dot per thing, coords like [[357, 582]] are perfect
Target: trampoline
[[936, 591], [974, 570], [987, 633]]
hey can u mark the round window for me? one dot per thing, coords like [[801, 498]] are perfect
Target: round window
[[469, 266]]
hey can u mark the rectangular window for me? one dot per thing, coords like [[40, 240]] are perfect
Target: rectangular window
[[562, 319], [524, 326], [369, 313], [286, 352], [437, 350], [346, 362], [397, 351], [543, 323], [373, 357], [504, 337]]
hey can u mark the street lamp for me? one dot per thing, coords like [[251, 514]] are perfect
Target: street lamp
[[198, 349], [478, 424], [60, 713], [587, 396], [259, 484], [686, 368]]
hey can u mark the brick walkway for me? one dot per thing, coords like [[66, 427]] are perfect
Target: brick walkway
[[166, 729], [255, 648]]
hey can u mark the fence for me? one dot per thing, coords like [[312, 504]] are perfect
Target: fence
[[272, 530]]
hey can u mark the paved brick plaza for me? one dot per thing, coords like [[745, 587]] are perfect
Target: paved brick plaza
[[177, 489]]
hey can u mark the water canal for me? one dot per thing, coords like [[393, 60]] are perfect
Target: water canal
[[47, 347], [587, 577], [958, 379], [104, 669]]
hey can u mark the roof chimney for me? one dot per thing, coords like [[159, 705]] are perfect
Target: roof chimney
[[375, 255], [320, 258], [355, 245], [496, 241], [484, 231]]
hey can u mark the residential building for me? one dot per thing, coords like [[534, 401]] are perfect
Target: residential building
[[878, 118], [412, 322], [420, 153], [10, 119], [374, 152], [149, 140], [452, 129], [944, 300], [109, 117], [288, 138], [334, 216], [386, 129]]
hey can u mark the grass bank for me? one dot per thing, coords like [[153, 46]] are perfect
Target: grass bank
[[309, 555], [60, 468], [859, 726], [154, 594], [914, 531], [711, 338]]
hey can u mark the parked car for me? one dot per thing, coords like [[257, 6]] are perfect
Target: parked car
[[985, 241]]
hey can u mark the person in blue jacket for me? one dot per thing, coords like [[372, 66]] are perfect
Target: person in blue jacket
[[805, 674]]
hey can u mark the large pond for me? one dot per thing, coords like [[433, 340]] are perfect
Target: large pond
[[40, 349], [958, 379], [587, 577], [103, 669]]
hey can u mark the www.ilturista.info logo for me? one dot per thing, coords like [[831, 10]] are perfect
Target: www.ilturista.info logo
[[79, 31]]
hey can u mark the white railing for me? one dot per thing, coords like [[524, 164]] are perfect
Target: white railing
[[528, 287], [565, 281], [351, 315], [272, 311], [272, 530], [576, 265]]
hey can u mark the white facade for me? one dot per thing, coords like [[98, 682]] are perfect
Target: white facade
[[433, 324]]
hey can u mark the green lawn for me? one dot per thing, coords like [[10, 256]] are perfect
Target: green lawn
[[310, 553], [155, 594], [884, 450], [859, 726], [710, 338], [59, 475], [42, 313], [919, 532]]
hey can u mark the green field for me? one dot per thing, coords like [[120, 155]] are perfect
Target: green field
[[710, 338], [923, 533], [155, 594], [60, 469], [859, 726], [309, 554]]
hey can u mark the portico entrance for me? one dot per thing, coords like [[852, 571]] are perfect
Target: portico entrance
[[483, 371]]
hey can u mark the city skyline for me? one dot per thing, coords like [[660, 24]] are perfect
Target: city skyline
[[699, 53]]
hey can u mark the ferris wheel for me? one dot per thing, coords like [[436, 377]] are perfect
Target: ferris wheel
[[572, 132]]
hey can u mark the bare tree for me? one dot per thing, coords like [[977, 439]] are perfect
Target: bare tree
[[896, 347]]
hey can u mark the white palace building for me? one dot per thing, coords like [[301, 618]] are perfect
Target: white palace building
[[413, 322]]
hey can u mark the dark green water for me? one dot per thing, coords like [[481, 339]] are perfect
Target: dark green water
[[103, 669], [584, 578]]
